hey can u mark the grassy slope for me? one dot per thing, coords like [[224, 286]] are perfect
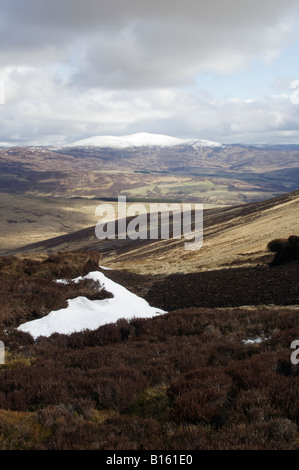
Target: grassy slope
[[234, 236]]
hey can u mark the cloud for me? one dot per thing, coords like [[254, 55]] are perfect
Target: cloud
[[183, 112], [75, 68], [128, 43]]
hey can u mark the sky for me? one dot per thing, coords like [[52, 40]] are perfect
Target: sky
[[220, 70]]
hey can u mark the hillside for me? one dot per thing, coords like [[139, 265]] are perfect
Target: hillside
[[232, 237], [196, 171], [200, 360], [167, 349], [27, 219], [195, 378]]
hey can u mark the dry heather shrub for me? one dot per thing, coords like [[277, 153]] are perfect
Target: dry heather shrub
[[131, 433], [106, 334], [286, 250], [191, 437], [14, 338], [64, 265], [201, 395], [20, 431], [282, 339], [30, 298], [262, 374], [66, 430], [153, 402], [281, 431], [255, 372], [119, 389], [37, 386], [68, 265], [284, 397], [31, 387], [251, 406], [275, 434]]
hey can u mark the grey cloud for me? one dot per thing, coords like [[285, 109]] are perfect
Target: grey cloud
[[179, 113], [78, 68], [133, 43]]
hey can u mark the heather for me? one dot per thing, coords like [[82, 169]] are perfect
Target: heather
[[185, 380]]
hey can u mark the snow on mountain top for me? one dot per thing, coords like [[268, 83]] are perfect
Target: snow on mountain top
[[142, 139], [84, 314], [204, 143], [134, 140]]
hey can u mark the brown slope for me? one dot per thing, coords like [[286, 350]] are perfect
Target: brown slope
[[235, 236]]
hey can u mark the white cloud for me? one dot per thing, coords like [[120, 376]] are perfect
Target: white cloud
[[75, 68], [177, 112]]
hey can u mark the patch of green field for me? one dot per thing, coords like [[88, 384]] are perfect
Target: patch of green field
[[178, 188], [206, 190]]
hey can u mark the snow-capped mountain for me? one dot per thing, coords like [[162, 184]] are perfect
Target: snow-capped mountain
[[142, 139]]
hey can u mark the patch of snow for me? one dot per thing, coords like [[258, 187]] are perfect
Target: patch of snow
[[257, 340], [196, 143], [141, 139], [84, 314], [105, 267], [252, 341]]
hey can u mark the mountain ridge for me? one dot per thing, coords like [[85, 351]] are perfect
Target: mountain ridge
[[141, 139]]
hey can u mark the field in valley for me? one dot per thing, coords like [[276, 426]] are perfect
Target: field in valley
[[225, 176]]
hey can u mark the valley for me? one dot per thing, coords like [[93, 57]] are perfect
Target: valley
[[235, 236], [225, 175], [159, 347], [50, 192]]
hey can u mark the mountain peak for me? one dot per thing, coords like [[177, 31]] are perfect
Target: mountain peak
[[141, 139]]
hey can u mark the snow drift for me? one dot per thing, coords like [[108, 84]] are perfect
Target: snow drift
[[84, 314]]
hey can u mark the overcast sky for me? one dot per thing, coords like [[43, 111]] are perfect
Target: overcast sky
[[220, 70]]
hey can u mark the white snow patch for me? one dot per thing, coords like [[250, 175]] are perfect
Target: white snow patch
[[252, 341], [257, 340], [141, 139], [82, 313]]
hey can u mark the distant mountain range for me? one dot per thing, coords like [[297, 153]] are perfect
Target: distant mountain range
[[151, 166], [145, 140], [142, 139]]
